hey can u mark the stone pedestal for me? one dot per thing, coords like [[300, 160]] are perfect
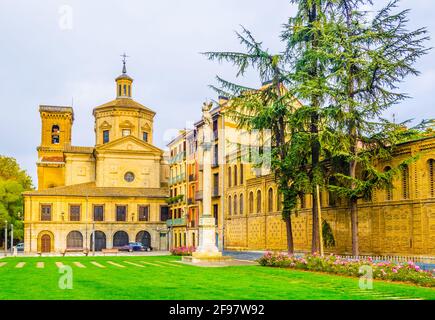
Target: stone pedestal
[[207, 250]]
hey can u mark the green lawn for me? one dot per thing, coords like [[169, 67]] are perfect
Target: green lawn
[[183, 282]]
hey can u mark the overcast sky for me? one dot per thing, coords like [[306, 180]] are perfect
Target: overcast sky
[[56, 52]]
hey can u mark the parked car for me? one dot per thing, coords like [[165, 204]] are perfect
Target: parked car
[[132, 246], [20, 246]]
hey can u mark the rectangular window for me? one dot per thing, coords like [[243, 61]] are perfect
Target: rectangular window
[[46, 212], [145, 136], [105, 136], [143, 213], [98, 213], [121, 213], [164, 213], [126, 132], [74, 213]]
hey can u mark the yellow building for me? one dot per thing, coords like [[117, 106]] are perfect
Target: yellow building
[[117, 188], [396, 222], [248, 210]]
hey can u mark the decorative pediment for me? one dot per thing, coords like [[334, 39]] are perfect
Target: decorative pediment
[[105, 126], [129, 144], [146, 127], [126, 125]]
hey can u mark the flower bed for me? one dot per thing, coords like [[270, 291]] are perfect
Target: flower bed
[[405, 272], [182, 251]]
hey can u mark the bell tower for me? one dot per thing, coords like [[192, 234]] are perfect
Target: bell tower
[[124, 82], [56, 127]]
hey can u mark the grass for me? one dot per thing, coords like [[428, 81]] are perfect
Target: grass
[[184, 282]]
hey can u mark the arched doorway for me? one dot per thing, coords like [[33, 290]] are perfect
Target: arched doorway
[[45, 242], [100, 241], [74, 240], [120, 238], [144, 237]]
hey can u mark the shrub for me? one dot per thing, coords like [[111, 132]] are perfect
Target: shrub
[[182, 251], [385, 270]]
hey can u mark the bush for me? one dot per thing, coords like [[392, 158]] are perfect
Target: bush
[[182, 251], [386, 270]]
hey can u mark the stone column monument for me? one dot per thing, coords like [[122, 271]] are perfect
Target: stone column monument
[[207, 250]]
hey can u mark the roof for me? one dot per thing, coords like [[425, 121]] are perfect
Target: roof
[[56, 108], [124, 76], [126, 103], [77, 149], [53, 159], [91, 190]]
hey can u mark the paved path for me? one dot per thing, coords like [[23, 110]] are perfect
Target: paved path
[[97, 264], [115, 264], [78, 264], [20, 265], [134, 264], [40, 265]]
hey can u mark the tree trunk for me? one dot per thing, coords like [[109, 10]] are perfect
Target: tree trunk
[[353, 201], [290, 245], [354, 226], [315, 158], [315, 240]]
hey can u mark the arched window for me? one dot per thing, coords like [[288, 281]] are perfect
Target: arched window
[[144, 237], [100, 241], [303, 201], [229, 205], [55, 130], [229, 176], [389, 191], [405, 182], [241, 204], [241, 173], [278, 201], [125, 90], [270, 200], [332, 196], [251, 202], [431, 165], [74, 240], [235, 205], [235, 175], [258, 201], [120, 238], [119, 90]]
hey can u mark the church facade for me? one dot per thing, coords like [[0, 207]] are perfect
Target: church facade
[[114, 192]]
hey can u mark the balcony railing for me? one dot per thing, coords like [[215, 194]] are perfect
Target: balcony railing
[[177, 179], [178, 157], [198, 195], [176, 222]]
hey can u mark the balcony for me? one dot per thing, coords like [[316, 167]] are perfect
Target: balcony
[[198, 195], [192, 177], [176, 222]]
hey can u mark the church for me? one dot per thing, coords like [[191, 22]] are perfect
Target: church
[[114, 192]]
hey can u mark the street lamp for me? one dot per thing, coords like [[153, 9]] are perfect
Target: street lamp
[[6, 237]]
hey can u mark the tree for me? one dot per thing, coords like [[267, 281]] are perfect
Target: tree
[[13, 181], [303, 34], [269, 108], [367, 60]]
